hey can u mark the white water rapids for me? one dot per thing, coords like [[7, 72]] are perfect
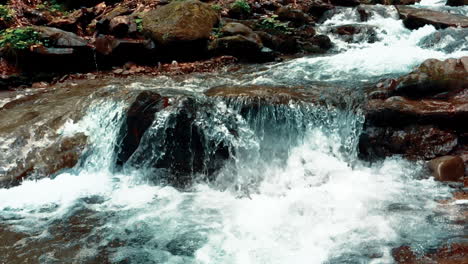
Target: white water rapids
[[315, 202]]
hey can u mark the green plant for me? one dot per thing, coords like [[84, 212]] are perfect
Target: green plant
[[139, 23], [216, 7], [273, 25], [217, 33], [242, 6], [20, 38], [6, 14], [53, 7]]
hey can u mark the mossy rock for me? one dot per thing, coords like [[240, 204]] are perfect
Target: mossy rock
[[180, 21]]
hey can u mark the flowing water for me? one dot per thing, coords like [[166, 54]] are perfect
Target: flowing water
[[292, 190]]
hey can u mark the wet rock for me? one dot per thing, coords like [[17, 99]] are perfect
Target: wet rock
[[318, 44], [399, 111], [63, 154], [404, 254], [296, 16], [267, 94], [176, 149], [414, 18], [457, 2], [434, 93], [356, 33], [181, 24], [454, 253], [318, 7], [434, 77], [186, 244], [413, 142], [447, 168], [140, 116]]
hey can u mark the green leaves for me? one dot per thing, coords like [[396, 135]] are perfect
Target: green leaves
[[273, 24], [6, 14], [20, 38], [241, 5], [52, 6], [139, 23]]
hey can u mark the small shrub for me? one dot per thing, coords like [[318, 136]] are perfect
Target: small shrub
[[216, 7], [20, 38], [273, 25], [242, 6]]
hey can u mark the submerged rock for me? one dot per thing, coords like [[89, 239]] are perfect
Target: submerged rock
[[140, 116], [447, 168], [178, 145], [414, 18], [355, 33]]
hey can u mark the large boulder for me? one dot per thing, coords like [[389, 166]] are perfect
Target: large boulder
[[433, 77], [181, 22], [414, 18]]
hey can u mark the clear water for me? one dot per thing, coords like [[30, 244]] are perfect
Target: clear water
[[294, 192]]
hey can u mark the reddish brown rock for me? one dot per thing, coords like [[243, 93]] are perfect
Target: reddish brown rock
[[414, 18], [413, 142], [447, 168], [433, 77], [456, 253]]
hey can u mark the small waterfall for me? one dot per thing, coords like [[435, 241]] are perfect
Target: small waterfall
[[292, 186]]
